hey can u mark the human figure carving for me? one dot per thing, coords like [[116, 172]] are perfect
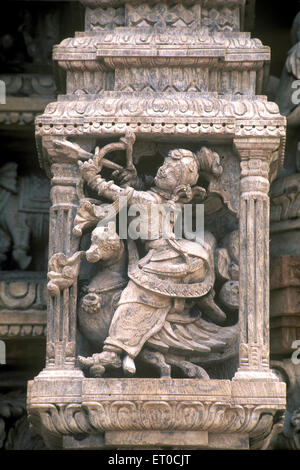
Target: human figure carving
[[172, 272]]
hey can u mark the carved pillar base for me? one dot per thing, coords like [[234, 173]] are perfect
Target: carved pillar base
[[179, 413], [264, 376]]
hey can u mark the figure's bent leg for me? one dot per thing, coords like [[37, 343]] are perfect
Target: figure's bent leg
[[140, 315]]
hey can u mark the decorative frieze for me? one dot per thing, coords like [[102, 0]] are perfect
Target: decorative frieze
[[215, 15], [221, 19], [285, 201], [97, 19], [176, 15]]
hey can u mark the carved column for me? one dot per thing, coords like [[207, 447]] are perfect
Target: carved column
[[255, 157], [61, 325]]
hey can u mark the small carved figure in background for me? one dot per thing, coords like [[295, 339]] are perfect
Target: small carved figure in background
[[24, 207]]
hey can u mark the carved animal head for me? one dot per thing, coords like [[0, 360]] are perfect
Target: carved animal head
[[106, 244]]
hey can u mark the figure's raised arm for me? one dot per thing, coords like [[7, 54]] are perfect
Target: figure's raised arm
[[89, 171], [109, 189]]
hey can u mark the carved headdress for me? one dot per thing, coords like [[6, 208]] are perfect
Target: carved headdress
[[190, 164]]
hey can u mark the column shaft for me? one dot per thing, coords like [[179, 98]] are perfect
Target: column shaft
[[254, 265], [61, 327]]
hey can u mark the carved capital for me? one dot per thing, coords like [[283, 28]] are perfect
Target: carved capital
[[256, 148], [267, 155]]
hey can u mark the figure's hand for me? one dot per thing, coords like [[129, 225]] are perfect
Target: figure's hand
[[125, 177], [199, 193], [128, 139], [183, 193], [88, 169]]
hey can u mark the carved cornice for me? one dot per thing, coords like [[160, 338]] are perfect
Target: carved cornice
[[137, 414], [166, 114], [162, 113], [254, 117], [159, 36], [131, 47]]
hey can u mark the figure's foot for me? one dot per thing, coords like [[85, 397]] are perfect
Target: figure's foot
[[107, 359], [97, 363], [129, 365]]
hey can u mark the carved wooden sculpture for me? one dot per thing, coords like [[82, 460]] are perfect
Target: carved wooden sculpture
[[162, 109]]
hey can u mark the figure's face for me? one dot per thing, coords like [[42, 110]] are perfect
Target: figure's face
[[167, 177]]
